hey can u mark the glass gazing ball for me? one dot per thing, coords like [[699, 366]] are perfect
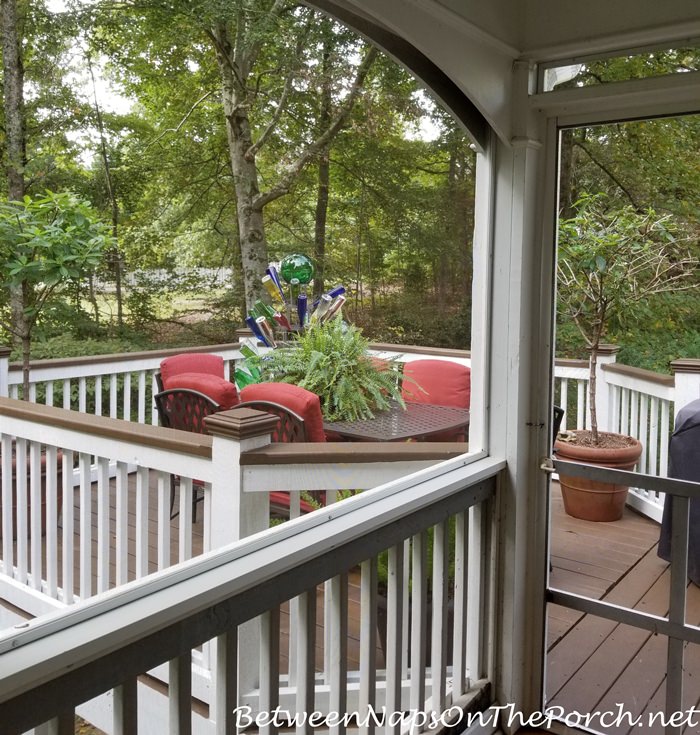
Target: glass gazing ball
[[297, 266]]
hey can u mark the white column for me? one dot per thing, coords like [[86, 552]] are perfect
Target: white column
[[235, 514], [520, 390], [4, 372], [687, 376]]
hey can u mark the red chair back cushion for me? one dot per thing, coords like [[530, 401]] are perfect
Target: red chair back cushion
[[445, 383], [218, 389], [299, 400], [190, 362]]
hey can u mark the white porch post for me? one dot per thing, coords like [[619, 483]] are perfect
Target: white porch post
[[520, 394], [607, 354], [235, 514], [687, 376], [5, 371]]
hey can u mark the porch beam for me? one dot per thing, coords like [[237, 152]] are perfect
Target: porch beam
[[671, 94]]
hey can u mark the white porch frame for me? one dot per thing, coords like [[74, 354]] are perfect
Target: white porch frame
[[622, 101]]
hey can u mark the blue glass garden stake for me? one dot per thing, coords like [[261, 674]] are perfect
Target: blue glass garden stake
[[250, 321], [302, 302]]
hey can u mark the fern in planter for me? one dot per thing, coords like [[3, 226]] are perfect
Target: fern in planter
[[333, 361]]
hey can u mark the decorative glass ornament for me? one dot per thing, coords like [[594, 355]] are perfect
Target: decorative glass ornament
[[255, 329], [301, 309], [297, 266]]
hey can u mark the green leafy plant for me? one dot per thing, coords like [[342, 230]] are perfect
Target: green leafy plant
[[45, 243], [610, 261], [333, 361]]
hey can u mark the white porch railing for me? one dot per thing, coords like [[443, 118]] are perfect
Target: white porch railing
[[118, 386], [638, 401], [54, 553], [163, 623]]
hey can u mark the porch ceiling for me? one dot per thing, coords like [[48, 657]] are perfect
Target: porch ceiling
[[475, 43]]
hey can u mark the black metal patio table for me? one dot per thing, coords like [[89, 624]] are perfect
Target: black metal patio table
[[417, 421]]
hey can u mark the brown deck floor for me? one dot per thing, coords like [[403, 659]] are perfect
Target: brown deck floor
[[593, 664], [353, 650]]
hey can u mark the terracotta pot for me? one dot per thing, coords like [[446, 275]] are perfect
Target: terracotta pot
[[590, 500], [59, 490]]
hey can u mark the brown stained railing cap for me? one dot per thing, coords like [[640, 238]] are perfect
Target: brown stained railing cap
[[608, 349], [240, 423], [418, 350], [5, 351], [641, 373], [686, 365], [122, 356]]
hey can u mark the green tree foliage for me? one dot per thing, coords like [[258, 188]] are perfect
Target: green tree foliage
[[648, 164], [610, 260], [45, 243], [392, 200]]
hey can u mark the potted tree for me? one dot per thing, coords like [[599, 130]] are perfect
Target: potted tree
[[45, 243], [609, 260]]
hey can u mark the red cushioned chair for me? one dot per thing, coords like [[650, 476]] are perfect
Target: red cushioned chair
[[190, 397], [299, 411], [440, 382], [189, 362], [216, 387], [185, 409], [303, 402]]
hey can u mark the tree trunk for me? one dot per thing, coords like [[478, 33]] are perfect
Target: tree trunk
[[324, 170], [567, 194], [13, 84], [92, 298], [115, 257], [592, 389], [251, 227], [15, 143], [320, 223]]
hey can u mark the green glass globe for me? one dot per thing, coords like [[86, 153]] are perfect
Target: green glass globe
[[297, 266]]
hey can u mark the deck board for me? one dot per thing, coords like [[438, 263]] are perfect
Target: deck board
[[592, 663]]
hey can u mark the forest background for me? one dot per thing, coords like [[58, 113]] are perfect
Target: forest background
[[250, 129]]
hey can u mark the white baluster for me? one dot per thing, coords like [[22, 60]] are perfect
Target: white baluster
[[103, 530]]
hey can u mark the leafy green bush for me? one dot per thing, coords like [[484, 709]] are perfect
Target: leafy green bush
[[333, 361]]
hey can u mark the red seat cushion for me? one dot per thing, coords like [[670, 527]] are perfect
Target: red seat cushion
[[190, 362], [219, 390], [444, 383], [280, 499], [299, 400]]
